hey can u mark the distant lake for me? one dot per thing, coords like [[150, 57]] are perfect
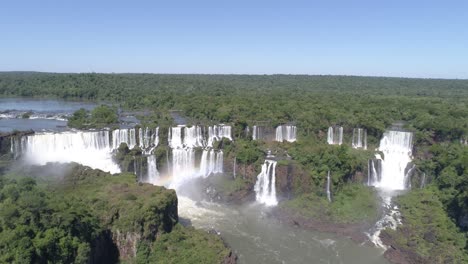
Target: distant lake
[[44, 114]]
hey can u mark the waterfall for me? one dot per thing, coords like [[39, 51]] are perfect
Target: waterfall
[[211, 162], [184, 140], [217, 133], [397, 149], [90, 148], [286, 132], [193, 137], [183, 166], [423, 181], [152, 171], [335, 135], [148, 139], [265, 188], [234, 167], [328, 187], [359, 138], [257, 133], [375, 170], [126, 136], [175, 137]]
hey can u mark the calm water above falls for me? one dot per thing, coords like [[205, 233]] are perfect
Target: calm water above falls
[[45, 114]]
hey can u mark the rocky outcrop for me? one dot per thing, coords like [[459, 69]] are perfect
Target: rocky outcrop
[[400, 255], [126, 243]]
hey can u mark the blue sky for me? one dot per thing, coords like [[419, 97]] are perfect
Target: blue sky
[[377, 38]]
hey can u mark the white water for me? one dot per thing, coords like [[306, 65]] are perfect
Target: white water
[[92, 149], [152, 171], [359, 138], [193, 137], [217, 133], [286, 133], [391, 219], [335, 135], [328, 187], [265, 188], [184, 166], [257, 133], [396, 147], [257, 238], [148, 139], [211, 162], [126, 136], [175, 137], [389, 174]]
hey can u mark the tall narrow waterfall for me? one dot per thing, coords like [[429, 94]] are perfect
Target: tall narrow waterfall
[[286, 132], [335, 135], [265, 188], [328, 187], [396, 147], [183, 166], [152, 171], [126, 136], [359, 138], [91, 148], [257, 133]]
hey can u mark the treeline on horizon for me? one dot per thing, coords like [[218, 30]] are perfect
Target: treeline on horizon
[[311, 102]]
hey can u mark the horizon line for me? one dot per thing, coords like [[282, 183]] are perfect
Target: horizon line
[[237, 74]]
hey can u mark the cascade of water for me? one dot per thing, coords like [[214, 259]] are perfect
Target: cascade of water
[[175, 137], [375, 170], [193, 137], [335, 135], [328, 187], [257, 133], [390, 173], [152, 171], [148, 139], [219, 162], [397, 148], [183, 166], [359, 138], [265, 188], [126, 136], [183, 140], [286, 132], [234, 167], [423, 181], [211, 162], [216, 133], [88, 148]]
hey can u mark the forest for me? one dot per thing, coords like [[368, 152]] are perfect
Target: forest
[[436, 110]]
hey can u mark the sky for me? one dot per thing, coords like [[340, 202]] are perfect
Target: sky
[[414, 38]]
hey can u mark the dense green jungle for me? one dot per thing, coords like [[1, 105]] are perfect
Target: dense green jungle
[[70, 219]]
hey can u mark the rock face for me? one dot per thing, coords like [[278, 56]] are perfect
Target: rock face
[[129, 212], [399, 255], [126, 243]]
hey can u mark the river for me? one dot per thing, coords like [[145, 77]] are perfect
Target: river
[[44, 114], [253, 236]]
